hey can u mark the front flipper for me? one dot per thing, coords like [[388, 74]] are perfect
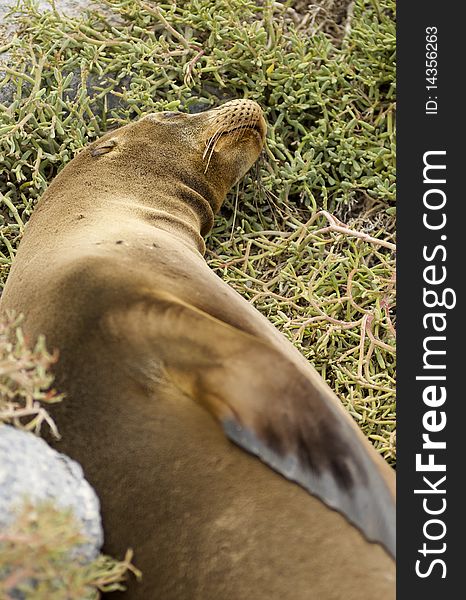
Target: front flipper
[[265, 404]]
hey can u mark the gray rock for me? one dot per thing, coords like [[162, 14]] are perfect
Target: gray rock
[[29, 467], [70, 8]]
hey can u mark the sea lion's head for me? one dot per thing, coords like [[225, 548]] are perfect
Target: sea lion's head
[[208, 152], [229, 137]]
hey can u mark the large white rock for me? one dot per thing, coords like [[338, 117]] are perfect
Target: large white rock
[[30, 467]]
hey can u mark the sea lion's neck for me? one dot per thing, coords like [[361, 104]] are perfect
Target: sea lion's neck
[[178, 209], [172, 205]]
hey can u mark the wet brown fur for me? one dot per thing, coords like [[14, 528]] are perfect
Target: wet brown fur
[[119, 232]]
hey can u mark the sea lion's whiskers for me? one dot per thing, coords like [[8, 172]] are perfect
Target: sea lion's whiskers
[[213, 143], [207, 147], [212, 140], [212, 119], [243, 127], [251, 122], [210, 145], [238, 132], [209, 159]]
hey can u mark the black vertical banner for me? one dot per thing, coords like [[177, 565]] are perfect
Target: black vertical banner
[[431, 229]]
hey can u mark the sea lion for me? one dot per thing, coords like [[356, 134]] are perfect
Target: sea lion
[[156, 352]]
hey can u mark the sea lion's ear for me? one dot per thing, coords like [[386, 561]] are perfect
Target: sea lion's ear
[[266, 405], [103, 148]]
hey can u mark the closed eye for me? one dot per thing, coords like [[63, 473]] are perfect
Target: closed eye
[[170, 114]]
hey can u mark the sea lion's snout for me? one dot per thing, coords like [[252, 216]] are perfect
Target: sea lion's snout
[[236, 117], [233, 137]]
